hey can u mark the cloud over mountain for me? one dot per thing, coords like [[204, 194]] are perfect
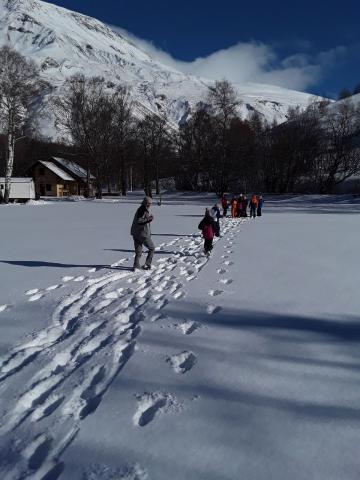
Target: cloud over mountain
[[250, 62]]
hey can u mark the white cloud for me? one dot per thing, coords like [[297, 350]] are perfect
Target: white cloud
[[249, 62]]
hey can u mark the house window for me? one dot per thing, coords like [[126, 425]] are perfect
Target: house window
[[48, 187], [42, 171]]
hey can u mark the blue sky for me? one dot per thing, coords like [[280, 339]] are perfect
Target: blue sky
[[307, 45]]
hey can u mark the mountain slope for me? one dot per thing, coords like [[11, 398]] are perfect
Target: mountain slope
[[63, 43]]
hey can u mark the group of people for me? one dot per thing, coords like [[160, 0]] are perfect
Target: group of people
[[240, 204], [209, 225]]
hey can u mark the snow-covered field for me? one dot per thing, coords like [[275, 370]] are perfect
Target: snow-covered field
[[244, 366]]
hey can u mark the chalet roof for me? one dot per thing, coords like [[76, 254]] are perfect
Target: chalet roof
[[72, 167], [18, 179], [58, 171]]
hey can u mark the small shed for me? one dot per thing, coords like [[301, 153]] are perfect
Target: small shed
[[21, 188]]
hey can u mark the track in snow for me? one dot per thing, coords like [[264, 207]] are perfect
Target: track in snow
[[72, 363]]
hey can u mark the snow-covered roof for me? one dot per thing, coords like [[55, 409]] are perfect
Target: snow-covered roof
[[73, 167], [18, 179], [57, 170]]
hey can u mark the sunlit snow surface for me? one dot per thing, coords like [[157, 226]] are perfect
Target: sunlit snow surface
[[244, 365]]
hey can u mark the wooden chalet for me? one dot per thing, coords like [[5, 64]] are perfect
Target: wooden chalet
[[59, 177]]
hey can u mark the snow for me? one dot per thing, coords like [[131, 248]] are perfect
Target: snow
[[64, 43], [55, 169], [17, 180], [243, 365]]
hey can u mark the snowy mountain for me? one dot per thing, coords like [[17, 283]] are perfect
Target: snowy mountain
[[63, 43]]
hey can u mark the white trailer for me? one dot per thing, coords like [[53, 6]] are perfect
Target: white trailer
[[21, 189]]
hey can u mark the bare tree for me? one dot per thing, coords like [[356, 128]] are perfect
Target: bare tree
[[224, 102], [155, 139], [340, 157], [196, 150], [123, 133], [85, 111], [19, 89]]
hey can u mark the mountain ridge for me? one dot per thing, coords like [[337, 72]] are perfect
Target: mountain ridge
[[63, 42]]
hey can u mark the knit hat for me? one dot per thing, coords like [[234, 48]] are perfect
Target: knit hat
[[147, 200]]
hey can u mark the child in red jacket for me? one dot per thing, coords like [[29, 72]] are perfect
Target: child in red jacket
[[209, 228]]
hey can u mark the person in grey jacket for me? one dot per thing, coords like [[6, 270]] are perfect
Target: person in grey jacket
[[141, 233]]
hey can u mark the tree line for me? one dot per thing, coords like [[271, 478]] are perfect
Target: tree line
[[123, 146]]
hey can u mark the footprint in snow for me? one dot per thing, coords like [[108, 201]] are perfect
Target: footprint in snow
[[228, 263], [221, 271], [52, 287], [81, 278], [35, 297], [188, 327], [226, 281], [178, 295], [212, 309], [31, 292], [67, 279], [151, 405], [3, 308], [182, 362], [215, 293]]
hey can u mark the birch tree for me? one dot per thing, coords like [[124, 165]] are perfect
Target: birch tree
[[19, 89]]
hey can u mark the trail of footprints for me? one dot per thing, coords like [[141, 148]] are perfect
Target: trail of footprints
[[72, 363]]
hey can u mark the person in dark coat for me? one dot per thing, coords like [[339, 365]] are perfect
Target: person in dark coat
[[239, 205], [225, 205], [208, 226], [216, 215], [260, 206], [244, 205], [233, 207], [141, 233], [253, 204]]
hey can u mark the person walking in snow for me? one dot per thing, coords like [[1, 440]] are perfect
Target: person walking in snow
[[244, 204], [216, 215], [141, 233], [253, 204], [260, 206], [233, 207], [239, 205], [208, 227], [225, 205]]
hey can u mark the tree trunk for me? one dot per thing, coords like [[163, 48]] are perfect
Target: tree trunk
[[87, 186], [123, 182], [10, 154], [157, 183]]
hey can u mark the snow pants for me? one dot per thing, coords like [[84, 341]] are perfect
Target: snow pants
[[208, 245], [259, 212], [252, 211], [138, 245]]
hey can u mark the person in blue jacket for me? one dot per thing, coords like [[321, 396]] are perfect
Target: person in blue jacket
[[260, 206]]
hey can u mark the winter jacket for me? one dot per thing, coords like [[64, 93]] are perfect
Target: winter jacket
[[140, 228], [215, 213], [209, 227], [224, 203], [253, 202]]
